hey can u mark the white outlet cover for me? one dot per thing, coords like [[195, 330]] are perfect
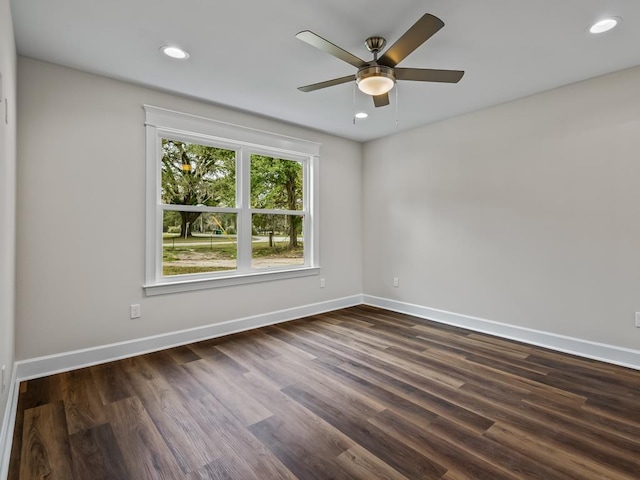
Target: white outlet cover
[[135, 311]]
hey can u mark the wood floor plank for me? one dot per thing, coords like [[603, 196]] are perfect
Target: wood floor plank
[[576, 466], [435, 403], [281, 348], [359, 393], [252, 362], [583, 366], [185, 385], [570, 436], [314, 428], [218, 376], [207, 348], [255, 343], [386, 395], [362, 352], [620, 428], [141, 368], [513, 462], [435, 448], [16, 446], [45, 444], [364, 335], [293, 337], [96, 455], [523, 348], [111, 382], [183, 354], [475, 346], [218, 470], [265, 392], [517, 367], [41, 391], [182, 434], [360, 463], [606, 446], [477, 374], [398, 455], [239, 454], [312, 376], [82, 407], [146, 455], [287, 442], [603, 389]]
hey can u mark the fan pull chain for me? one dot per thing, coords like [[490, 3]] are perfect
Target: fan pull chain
[[396, 105], [354, 103]]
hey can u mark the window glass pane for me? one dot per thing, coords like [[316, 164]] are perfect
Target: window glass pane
[[277, 240], [195, 174], [195, 242], [275, 183]]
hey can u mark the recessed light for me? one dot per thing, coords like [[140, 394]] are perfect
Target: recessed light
[[362, 115], [605, 25], [174, 52]]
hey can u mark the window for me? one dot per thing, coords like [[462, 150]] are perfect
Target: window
[[226, 205]]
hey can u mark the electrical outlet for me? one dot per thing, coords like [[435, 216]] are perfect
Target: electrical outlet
[[135, 310], [396, 282], [638, 319], [322, 283]]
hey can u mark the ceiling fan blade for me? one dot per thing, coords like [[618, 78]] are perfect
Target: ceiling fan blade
[[381, 100], [419, 33], [326, 46], [328, 83], [428, 75]]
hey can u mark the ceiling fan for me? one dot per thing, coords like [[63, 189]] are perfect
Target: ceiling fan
[[378, 77]]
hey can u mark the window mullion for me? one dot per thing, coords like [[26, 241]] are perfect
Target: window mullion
[[197, 208], [312, 222], [276, 211], [244, 221], [306, 220]]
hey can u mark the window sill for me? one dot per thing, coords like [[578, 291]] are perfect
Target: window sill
[[236, 279]]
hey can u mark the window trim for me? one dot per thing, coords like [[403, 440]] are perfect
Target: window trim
[[164, 123]]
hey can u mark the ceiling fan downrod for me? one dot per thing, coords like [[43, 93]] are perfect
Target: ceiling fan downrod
[[375, 46]]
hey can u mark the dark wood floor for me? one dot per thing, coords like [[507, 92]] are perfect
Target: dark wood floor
[[360, 393]]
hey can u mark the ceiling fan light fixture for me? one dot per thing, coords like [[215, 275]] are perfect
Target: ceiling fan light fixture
[[375, 79]]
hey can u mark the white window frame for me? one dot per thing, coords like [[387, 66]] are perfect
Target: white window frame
[[163, 123]]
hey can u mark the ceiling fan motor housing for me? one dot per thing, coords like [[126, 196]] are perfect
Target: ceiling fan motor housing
[[375, 44]]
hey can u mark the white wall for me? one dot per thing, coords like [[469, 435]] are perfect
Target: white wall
[[7, 200], [527, 213], [80, 261]]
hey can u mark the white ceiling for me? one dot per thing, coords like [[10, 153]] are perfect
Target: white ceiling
[[244, 53]]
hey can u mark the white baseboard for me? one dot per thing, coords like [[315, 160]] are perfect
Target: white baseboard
[[8, 422], [48, 365], [625, 357]]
